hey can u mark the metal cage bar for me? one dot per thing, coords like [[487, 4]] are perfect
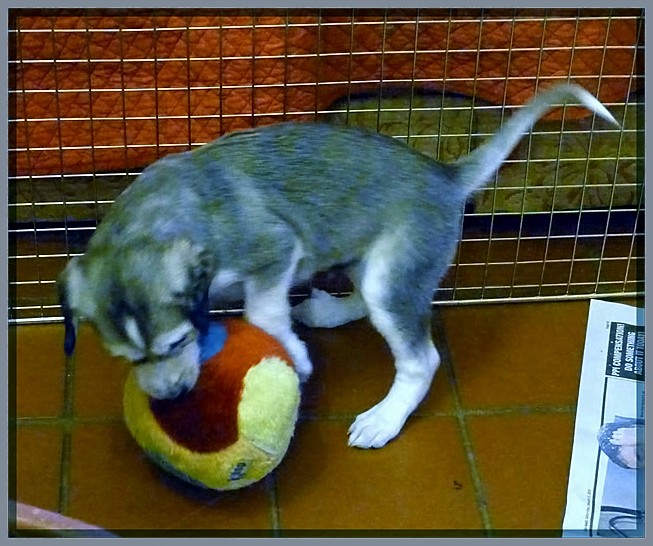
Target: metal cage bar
[[589, 249]]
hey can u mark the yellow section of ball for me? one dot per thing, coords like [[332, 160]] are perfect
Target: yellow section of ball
[[266, 420]]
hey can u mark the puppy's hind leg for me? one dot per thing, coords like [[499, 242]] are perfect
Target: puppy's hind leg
[[398, 298]]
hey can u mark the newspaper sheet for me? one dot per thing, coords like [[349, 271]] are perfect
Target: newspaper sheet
[[605, 494]]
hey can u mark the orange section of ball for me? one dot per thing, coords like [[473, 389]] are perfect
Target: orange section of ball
[[206, 418]]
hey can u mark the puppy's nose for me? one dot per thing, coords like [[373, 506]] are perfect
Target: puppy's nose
[[172, 392], [167, 393]]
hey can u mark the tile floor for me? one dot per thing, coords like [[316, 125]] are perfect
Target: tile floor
[[487, 453]]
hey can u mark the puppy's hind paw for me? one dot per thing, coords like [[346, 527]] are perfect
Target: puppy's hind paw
[[322, 310], [311, 311]]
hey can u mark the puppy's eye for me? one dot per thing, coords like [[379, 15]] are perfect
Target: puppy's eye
[[140, 361], [180, 343]]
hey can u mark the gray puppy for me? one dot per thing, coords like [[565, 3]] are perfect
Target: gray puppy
[[261, 210]]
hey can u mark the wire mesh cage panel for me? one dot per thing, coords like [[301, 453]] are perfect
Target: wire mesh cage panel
[[97, 95]]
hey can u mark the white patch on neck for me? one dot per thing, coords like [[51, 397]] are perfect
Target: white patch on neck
[[176, 261]]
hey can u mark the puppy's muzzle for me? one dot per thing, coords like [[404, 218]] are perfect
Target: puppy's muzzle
[[170, 377]]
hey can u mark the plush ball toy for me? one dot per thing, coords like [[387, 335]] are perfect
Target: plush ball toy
[[235, 425]]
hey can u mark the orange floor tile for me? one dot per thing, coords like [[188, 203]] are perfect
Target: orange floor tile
[[486, 454]]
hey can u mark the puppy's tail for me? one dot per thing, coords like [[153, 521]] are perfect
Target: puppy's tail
[[474, 170]]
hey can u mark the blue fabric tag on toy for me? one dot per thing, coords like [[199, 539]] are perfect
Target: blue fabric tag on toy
[[213, 341]]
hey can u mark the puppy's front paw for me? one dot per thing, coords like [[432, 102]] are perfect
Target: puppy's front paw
[[374, 428]]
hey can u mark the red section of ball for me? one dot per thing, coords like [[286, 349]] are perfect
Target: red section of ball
[[206, 418]]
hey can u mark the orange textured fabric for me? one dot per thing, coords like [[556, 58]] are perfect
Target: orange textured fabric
[[189, 79], [206, 419]]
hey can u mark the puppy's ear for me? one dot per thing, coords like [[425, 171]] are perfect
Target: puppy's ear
[[70, 285], [188, 268], [199, 312]]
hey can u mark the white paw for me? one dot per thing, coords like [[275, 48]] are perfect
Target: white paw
[[375, 428], [299, 355], [304, 369], [322, 310], [311, 311]]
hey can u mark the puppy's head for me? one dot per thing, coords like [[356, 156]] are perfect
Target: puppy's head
[[148, 302]]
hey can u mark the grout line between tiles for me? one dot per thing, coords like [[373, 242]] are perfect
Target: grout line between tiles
[[479, 489], [481, 495], [516, 410], [69, 422], [273, 502]]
